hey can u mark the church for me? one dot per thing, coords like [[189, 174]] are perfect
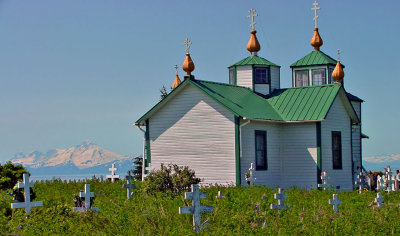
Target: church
[[289, 135]]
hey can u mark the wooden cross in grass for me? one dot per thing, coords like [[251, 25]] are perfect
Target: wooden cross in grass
[[26, 185]]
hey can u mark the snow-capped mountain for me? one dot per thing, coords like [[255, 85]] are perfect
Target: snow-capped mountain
[[84, 158], [377, 163]]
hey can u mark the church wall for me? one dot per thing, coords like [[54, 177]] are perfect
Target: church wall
[[193, 130], [275, 78], [244, 76], [337, 120], [299, 155], [271, 176]]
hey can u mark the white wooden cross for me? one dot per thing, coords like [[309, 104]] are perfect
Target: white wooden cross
[[176, 68], [251, 179], [187, 44], [27, 204], [281, 197], [128, 184], [335, 202], [361, 183], [379, 200], [338, 54], [252, 15], [87, 195], [196, 209], [389, 180], [113, 176], [315, 9], [380, 183], [324, 178], [220, 195]]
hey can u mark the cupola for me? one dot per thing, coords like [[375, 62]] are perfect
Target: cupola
[[177, 80], [255, 72], [188, 65]]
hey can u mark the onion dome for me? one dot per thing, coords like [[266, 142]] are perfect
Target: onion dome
[[338, 73], [316, 40], [177, 81], [188, 65], [253, 46]]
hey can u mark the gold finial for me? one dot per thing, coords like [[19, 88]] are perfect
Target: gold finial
[[177, 80], [253, 46], [188, 65], [316, 40], [338, 73]]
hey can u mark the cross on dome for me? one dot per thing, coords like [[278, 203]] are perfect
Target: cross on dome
[[176, 68], [338, 54], [315, 9], [252, 15], [187, 43]]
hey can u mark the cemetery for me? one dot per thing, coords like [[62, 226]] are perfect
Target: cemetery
[[121, 206]]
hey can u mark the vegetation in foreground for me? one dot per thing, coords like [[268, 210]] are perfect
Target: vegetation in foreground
[[241, 212]]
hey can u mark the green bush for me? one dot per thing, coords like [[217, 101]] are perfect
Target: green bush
[[172, 179], [10, 174]]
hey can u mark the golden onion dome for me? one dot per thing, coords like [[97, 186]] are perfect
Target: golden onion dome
[[253, 45], [188, 65], [338, 73], [177, 82], [316, 40]]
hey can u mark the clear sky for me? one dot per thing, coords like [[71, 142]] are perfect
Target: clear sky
[[73, 70]]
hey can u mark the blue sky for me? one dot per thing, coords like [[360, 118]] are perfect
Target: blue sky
[[74, 70]]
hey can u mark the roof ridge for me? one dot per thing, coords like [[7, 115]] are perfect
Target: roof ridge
[[220, 83]]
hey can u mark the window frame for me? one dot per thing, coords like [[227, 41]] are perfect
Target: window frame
[[267, 74], [337, 165], [233, 71], [323, 79], [308, 77], [264, 134]]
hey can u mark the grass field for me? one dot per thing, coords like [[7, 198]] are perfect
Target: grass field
[[241, 212]]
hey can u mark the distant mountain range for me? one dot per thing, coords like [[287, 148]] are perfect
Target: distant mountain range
[[86, 158], [377, 163]]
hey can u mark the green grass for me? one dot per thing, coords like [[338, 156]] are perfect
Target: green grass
[[145, 214]]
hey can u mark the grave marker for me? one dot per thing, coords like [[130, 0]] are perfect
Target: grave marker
[[281, 197], [251, 179], [113, 176], [335, 202], [87, 195], [361, 183], [128, 184], [324, 178], [220, 195], [196, 209], [379, 200], [27, 204], [380, 183]]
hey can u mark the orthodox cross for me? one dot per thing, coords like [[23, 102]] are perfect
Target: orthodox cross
[[379, 200], [87, 195], [324, 178], [335, 202], [176, 68], [26, 185], [187, 43], [361, 183], [196, 209], [252, 15], [281, 197], [128, 184], [251, 179], [315, 9], [113, 176], [338, 54]]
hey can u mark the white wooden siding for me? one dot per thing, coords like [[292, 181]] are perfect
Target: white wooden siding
[[275, 78], [356, 137], [337, 120], [299, 155], [270, 177], [195, 131], [244, 76], [357, 108], [262, 88]]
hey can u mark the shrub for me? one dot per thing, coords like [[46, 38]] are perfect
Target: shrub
[[172, 179], [10, 174]]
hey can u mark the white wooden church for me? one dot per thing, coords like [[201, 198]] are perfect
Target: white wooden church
[[290, 134]]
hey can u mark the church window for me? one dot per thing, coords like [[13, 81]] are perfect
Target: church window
[[232, 76], [330, 76], [261, 76], [336, 150], [261, 149], [301, 78], [318, 77]]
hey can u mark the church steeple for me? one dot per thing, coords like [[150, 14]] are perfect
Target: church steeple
[[253, 46], [177, 80], [316, 40], [188, 65], [338, 73]]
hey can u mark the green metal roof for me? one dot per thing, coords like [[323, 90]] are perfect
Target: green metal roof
[[254, 60], [293, 104], [364, 136], [304, 103], [315, 58]]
